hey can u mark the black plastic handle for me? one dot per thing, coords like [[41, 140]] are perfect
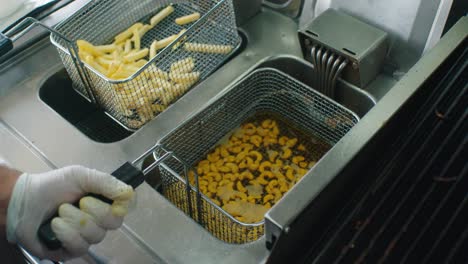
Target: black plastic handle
[[5, 44], [126, 173]]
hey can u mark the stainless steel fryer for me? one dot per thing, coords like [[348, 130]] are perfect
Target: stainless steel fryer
[[157, 231], [265, 90]]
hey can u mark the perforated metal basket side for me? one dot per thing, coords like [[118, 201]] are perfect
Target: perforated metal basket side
[[264, 90], [128, 100]]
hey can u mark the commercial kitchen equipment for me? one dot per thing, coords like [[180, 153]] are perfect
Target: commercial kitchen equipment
[[303, 224]]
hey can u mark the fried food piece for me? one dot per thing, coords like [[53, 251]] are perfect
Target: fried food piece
[[208, 48], [128, 33], [242, 172], [251, 213], [187, 19], [161, 15]]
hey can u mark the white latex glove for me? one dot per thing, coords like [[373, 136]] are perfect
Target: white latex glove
[[36, 198]]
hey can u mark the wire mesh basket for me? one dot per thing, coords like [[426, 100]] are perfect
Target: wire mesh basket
[[135, 100], [263, 91]]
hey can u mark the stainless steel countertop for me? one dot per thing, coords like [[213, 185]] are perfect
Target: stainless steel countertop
[[155, 227], [37, 138]]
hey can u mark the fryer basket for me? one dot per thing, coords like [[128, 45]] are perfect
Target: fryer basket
[[265, 90], [101, 20]]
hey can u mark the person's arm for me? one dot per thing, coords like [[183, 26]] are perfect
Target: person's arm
[[8, 178], [27, 200]]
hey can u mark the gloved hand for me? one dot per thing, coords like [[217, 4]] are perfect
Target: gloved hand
[[36, 198]]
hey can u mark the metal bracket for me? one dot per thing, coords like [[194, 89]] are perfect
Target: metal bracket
[[343, 36]]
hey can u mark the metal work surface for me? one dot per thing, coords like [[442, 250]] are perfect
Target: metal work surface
[[162, 230], [156, 230]]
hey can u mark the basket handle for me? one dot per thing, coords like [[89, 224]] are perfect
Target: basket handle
[[6, 44], [19, 30], [127, 173]]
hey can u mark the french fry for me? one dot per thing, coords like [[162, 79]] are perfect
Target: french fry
[[85, 46], [90, 60], [134, 123], [161, 15], [107, 56], [131, 68], [146, 101], [143, 100], [113, 67], [164, 42], [127, 112], [106, 48], [158, 107], [128, 46], [177, 45], [208, 48], [182, 32], [126, 34], [153, 49], [83, 54], [145, 113], [157, 45], [136, 55], [140, 63], [167, 94], [187, 19], [167, 98], [116, 55], [121, 73], [145, 28], [136, 39], [127, 102], [104, 61], [180, 89], [182, 78], [183, 66], [161, 83], [175, 91], [136, 66], [157, 73], [154, 92], [187, 85], [120, 47], [127, 90]]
